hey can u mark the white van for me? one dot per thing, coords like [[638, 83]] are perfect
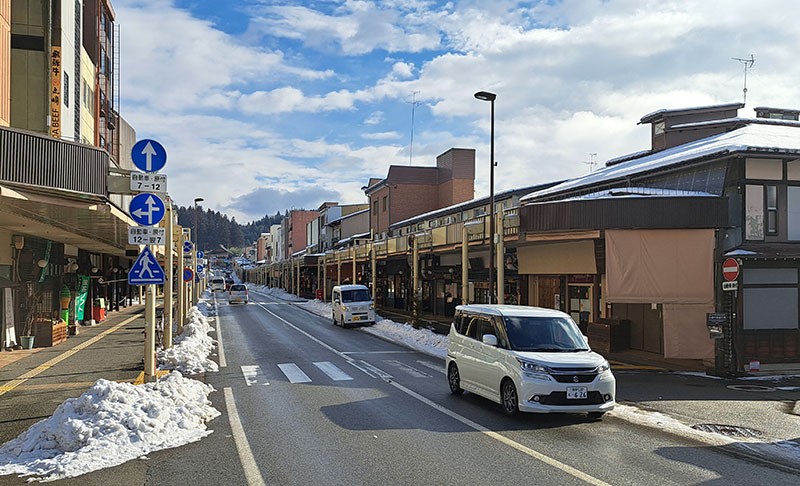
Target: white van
[[352, 304], [217, 284], [527, 359]]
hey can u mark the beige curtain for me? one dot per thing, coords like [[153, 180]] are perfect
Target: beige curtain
[[686, 333], [660, 266]]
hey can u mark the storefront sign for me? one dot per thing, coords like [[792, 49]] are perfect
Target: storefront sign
[[55, 92]]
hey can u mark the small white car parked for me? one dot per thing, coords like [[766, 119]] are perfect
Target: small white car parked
[[352, 304], [527, 359]]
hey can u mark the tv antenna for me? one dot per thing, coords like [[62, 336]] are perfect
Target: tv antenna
[[591, 162], [748, 63], [414, 104]]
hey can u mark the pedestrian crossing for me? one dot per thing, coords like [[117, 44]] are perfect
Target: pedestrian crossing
[[294, 373]]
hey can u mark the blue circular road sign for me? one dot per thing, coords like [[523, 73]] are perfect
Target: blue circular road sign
[[187, 246], [188, 274], [200, 254], [147, 209], [148, 155]]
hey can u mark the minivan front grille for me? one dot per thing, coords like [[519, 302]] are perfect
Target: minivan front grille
[[574, 378]]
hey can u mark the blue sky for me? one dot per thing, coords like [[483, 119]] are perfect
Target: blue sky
[[270, 105]]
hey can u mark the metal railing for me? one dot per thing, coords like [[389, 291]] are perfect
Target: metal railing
[[32, 159]]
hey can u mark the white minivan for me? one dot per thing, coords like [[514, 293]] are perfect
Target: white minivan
[[527, 359], [352, 304]]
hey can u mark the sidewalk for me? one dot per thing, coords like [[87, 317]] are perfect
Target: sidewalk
[[34, 382]]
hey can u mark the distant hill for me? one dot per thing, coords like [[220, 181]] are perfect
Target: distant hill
[[216, 229]]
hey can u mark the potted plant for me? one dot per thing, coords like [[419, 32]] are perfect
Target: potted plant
[[27, 337]]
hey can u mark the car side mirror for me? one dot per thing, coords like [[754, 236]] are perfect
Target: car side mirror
[[489, 339]]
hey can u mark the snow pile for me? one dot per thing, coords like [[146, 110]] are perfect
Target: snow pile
[[275, 292], [109, 424], [190, 350], [423, 340]]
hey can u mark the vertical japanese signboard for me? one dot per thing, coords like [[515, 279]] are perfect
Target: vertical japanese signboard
[[55, 92]]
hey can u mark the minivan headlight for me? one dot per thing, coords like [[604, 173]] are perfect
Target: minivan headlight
[[605, 366], [371, 306], [533, 367]]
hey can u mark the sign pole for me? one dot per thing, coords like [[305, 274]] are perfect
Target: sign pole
[[168, 283], [150, 335], [181, 284], [195, 280]]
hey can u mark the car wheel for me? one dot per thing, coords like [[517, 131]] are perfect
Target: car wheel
[[596, 415], [509, 398], [454, 380]]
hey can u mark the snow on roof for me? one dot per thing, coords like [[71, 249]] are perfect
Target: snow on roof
[[695, 109], [629, 192], [756, 138], [738, 119]]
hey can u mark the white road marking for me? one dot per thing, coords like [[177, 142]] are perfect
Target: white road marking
[[364, 366], [331, 370], [433, 366], [378, 352], [251, 472], [250, 373], [371, 370], [220, 350], [408, 369], [293, 373], [503, 439]]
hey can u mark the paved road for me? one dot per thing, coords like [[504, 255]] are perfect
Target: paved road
[[306, 403], [319, 404]]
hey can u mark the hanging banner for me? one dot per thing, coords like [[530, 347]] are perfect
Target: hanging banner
[[82, 294]]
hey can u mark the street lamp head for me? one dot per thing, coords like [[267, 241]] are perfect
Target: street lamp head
[[485, 96], [198, 199]]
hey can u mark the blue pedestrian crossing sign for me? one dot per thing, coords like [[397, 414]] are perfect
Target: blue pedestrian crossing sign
[[147, 209], [149, 155], [200, 269], [146, 270]]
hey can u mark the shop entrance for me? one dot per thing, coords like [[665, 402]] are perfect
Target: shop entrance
[[548, 292], [580, 304], [647, 325]]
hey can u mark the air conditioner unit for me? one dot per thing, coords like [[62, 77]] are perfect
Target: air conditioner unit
[[448, 220], [434, 223]]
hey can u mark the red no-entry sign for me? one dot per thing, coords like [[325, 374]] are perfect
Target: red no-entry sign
[[730, 269]]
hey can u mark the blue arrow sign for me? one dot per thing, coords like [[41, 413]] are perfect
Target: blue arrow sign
[[147, 209], [149, 155], [187, 246], [146, 270], [200, 254]]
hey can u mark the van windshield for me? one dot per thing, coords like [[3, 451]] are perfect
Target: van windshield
[[553, 334], [357, 295]]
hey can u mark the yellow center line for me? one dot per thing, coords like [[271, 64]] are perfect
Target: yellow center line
[[66, 354]]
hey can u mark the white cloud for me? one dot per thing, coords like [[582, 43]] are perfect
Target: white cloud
[[381, 136]]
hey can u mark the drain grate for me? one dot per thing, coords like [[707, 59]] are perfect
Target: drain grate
[[729, 430]]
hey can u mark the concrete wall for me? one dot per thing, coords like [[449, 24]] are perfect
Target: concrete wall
[[29, 68]]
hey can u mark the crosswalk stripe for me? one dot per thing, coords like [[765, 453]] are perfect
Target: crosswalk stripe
[[332, 371], [293, 373]]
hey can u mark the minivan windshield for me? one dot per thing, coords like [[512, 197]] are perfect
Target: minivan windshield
[[356, 295], [554, 334]]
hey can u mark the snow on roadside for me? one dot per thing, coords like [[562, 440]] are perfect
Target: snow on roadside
[[109, 424], [190, 350]]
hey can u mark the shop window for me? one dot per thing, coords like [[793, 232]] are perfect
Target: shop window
[[793, 212], [770, 298], [385, 203], [754, 212], [769, 169], [772, 210], [793, 170]]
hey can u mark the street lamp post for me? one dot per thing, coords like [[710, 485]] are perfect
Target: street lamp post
[[196, 234], [487, 96]]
